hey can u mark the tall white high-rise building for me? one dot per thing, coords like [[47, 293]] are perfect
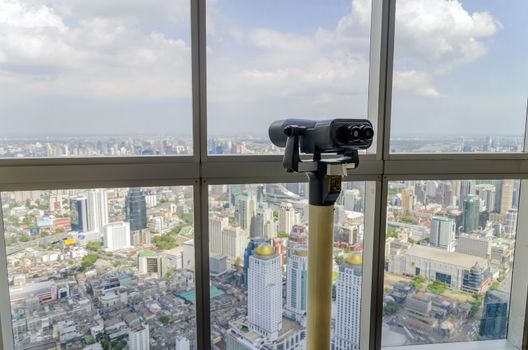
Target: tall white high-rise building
[[138, 338], [287, 217], [183, 343], [265, 292], [297, 283], [246, 211], [234, 240], [216, 226], [116, 236], [97, 209], [507, 196], [348, 303], [442, 233]]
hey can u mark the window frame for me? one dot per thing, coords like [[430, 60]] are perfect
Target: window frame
[[201, 170]]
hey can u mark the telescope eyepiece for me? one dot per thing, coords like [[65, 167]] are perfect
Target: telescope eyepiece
[[347, 134], [324, 136]]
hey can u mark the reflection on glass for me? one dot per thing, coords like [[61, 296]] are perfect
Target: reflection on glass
[[449, 254], [107, 268], [85, 79], [456, 83], [259, 260], [275, 59]]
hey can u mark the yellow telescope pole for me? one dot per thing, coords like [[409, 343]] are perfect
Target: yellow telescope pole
[[320, 255]]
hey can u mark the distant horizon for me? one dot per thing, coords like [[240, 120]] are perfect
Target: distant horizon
[[253, 136]]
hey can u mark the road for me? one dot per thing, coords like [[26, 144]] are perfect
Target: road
[[39, 241]]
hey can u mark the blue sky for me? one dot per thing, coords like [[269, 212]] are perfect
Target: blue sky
[[123, 67]]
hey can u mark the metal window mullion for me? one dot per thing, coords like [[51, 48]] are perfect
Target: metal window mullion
[[517, 325], [372, 207], [201, 205], [201, 253], [378, 265], [6, 329], [381, 70]]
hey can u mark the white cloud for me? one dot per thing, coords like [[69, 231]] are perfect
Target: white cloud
[[320, 70], [416, 82], [98, 56], [441, 32]]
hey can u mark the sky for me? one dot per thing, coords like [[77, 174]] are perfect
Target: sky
[[123, 67]]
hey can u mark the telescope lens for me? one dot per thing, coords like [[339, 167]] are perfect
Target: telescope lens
[[367, 132], [354, 133]]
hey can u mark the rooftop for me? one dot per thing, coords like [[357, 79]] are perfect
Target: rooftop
[[445, 257], [146, 254], [190, 295]]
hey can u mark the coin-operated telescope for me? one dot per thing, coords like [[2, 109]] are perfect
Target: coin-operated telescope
[[344, 137]]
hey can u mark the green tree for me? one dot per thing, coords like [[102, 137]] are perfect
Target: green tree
[[89, 260], [24, 238], [390, 308], [437, 287], [476, 303], [282, 234], [94, 246], [164, 319], [392, 233], [165, 242], [418, 281]]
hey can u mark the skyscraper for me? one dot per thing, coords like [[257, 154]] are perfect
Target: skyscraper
[[467, 187], [348, 303], [265, 292], [116, 236], [471, 213], [246, 211], [252, 245], [510, 222], [286, 217], [263, 218], [139, 337], [97, 209], [297, 283], [216, 226], [507, 196], [234, 240], [494, 322], [136, 209], [407, 200], [487, 192], [442, 233], [79, 214]]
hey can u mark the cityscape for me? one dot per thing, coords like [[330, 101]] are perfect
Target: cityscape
[[162, 145], [114, 268], [449, 252]]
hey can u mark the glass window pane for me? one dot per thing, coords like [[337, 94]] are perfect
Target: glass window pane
[[270, 60], [449, 257], [96, 78], [459, 76], [248, 224], [108, 266]]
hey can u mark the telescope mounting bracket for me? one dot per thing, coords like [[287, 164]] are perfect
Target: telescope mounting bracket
[[292, 160]]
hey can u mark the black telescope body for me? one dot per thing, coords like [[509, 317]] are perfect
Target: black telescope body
[[325, 136]]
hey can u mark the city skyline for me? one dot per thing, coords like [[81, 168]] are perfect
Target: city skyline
[[325, 74], [162, 256]]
